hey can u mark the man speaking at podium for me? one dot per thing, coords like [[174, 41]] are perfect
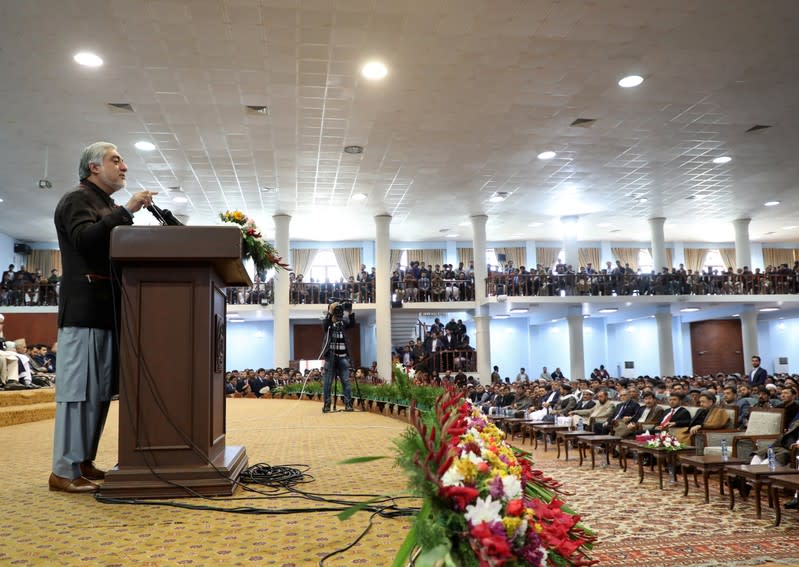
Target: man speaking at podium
[[87, 374]]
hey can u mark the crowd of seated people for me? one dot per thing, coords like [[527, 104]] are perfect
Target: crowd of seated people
[[23, 368], [257, 383], [21, 287], [621, 279], [439, 348]]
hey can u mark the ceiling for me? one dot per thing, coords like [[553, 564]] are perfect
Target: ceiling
[[475, 91]]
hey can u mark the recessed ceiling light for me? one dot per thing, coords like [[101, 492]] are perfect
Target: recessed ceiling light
[[359, 197], [689, 309], [535, 224], [452, 235], [464, 223], [144, 146], [735, 315], [547, 155], [353, 149], [631, 81], [1, 200], [519, 310], [88, 59], [722, 159], [608, 310], [374, 70], [771, 203], [503, 316], [642, 199], [180, 199], [235, 321], [769, 309], [586, 316], [793, 226], [498, 197]]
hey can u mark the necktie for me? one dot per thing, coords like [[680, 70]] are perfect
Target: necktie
[[668, 417], [622, 409]]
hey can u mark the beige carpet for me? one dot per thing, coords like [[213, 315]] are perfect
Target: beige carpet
[[635, 522]]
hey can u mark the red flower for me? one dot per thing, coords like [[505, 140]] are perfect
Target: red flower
[[491, 549], [515, 507], [462, 495]]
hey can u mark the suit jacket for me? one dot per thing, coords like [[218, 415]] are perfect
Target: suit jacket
[[625, 409], [758, 377], [621, 428]]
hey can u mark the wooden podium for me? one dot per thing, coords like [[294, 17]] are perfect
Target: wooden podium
[[172, 361]]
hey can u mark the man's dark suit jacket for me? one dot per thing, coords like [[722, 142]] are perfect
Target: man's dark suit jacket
[[758, 377]]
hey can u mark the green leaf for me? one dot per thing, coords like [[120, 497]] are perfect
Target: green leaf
[[405, 550], [436, 557], [356, 460], [351, 511]]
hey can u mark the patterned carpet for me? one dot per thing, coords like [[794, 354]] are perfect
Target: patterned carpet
[[638, 524]]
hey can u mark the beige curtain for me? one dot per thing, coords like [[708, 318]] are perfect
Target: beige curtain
[[44, 260], [728, 257], [547, 256], [669, 258], [589, 255], [466, 255], [429, 257], [301, 260], [517, 253], [695, 259], [348, 260], [776, 256], [394, 257], [627, 256]]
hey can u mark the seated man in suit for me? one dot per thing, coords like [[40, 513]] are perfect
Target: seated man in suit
[[676, 418], [626, 408], [731, 398], [709, 416], [646, 418], [567, 401], [599, 411]]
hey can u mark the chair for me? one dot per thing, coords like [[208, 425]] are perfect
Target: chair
[[698, 439], [764, 423]]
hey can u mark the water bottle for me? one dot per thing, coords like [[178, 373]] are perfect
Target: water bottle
[[772, 461], [580, 425], [725, 452]]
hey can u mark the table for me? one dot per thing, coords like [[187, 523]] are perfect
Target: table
[[527, 427], [608, 442], [508, 425], [758, 474], [660, 454], [545, 429], [789, 481], [707, 465], [565, 437]]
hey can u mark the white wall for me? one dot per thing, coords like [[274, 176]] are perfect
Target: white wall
[[778, 338], [595, 345], [636, 341], [6, 252], [249, 345], [549, 346], [509, 339]]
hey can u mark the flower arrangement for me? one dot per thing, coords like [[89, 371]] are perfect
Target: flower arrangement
[[263, 254], [664, 440], [483, 503]]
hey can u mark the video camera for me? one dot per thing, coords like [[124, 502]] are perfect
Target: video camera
[[342, 305]]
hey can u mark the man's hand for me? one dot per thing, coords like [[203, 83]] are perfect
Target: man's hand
[[140, 200]]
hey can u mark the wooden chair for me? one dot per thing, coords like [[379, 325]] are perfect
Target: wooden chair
[[764, 423]]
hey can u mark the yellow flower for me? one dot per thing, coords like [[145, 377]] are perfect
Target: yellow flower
[[467, 469], [511, 525]]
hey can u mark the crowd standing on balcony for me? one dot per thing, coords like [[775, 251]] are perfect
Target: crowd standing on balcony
[[22, 287]]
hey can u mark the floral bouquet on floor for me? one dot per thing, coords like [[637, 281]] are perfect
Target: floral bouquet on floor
[[664, 440], [263, 254], [483, 503]]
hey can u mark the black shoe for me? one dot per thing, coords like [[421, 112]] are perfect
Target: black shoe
[[791, 505], [348, 407], [326, 408], [745, 488]]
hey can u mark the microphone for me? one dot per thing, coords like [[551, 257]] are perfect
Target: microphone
[[164, 216]]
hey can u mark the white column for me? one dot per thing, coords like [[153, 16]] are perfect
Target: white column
[[531, 254], [665, 340], [281, 346], [658, 244], [743, 254], [678, 256], [383, 296], [482, 326], [482, 321], [570, 249], [749, 334], [576, 348]]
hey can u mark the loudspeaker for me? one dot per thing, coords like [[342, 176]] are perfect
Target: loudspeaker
[[21, 248], [396, 304]]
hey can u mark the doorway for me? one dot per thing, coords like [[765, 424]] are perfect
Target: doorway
[[717, 346]]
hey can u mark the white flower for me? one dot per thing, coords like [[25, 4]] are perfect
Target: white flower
[[483, 511], [474, 458], [512, 487], [452, 477]]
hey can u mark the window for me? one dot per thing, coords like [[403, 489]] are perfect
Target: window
[[325, 267], [645, 262], [713, 261], [491, 260]]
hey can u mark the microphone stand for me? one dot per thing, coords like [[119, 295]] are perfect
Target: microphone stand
[[164, 216]]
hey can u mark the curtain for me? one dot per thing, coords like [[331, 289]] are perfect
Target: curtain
[[394, 257], [547, 256], [348, 260], [517, 253], [466, 255], [429, 257], [627, 256], [301, 260], [589, 255], [695, 259], [669, 258], [776, 256], [728, 257], [44, 260]]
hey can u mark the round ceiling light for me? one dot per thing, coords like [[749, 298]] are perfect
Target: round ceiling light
[[88, 59], [353, 150], [180, 199], [374, 71], [631, 81], [547, 155], [771, 203], [144, 146], [722, 159], [359, 197]]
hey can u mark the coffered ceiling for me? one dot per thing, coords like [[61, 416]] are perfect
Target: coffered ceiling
[[475, 91]]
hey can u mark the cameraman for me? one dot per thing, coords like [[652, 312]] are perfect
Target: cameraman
[[335, 352]]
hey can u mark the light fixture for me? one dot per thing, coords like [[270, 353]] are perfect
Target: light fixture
[[235, 320], [722, 159], [642, 199], [793, 226], [465, 223], [359, 197], [547, 155], [353, 149], [689, 309], [608, 310], [144, 146], [586, 316], [498, 197], [519, 310], [374, 70], [88, 59], [768, 309], [452, 235], [502, 316], [631, 81], [1, 200], [771, 203], [180, 199], [735, 315]]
